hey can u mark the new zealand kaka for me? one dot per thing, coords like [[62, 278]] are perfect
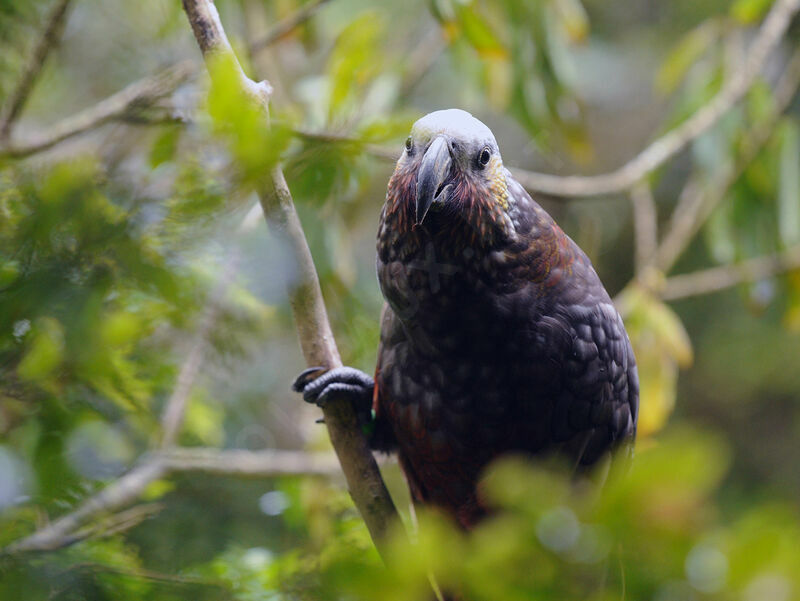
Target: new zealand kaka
[[497, 335]]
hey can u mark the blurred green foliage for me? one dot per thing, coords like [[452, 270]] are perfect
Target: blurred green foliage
[[112, 246]]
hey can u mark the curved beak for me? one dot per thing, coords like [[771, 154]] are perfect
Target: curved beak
[[434, 169]]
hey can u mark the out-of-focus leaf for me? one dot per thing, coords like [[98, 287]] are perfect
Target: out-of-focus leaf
[[204, 420], [720, 236], [120, 328], [255, 145], [792, 315], [573, 19], [164, 146], [685, 54], [661, 346], [789, 188], [45, 351], [356, 59], [760, 102], [480, 36], [749, 11], [9, 270]]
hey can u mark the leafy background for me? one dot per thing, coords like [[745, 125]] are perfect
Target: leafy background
[[113, 245]]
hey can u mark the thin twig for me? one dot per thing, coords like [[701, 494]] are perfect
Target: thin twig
[[645, 224], [376, 150], [124, 103], [175, 407], [287, 25], [239, 462], [121, 492], [656, 154], [50, 37], [68, 529], [364, 480], [726, 276]]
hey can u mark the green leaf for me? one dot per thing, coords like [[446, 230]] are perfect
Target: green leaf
[[45, 352], [789, 185], [355, 61], [480, 36], [749, 11], [573, 18], [164, 146], [685, 54]]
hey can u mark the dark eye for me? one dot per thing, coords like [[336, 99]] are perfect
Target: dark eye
[[484, 156], [409, 143]]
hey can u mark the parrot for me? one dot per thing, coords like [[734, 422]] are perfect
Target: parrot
[[497, 335]]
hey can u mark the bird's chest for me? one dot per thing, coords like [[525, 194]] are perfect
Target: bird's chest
[[451, 367]]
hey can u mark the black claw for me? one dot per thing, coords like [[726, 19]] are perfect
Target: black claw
[[307, 376], [343, 381]]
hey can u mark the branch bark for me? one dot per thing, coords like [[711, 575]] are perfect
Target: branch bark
[[50, 37], [238, 462], [120, 105], [656, 154], [361, 472]]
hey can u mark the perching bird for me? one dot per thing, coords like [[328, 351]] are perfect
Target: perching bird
[[497, 335]]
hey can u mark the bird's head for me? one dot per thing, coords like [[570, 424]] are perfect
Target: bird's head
[[451, 167]]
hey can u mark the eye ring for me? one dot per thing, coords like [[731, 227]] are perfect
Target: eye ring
[[484, 156], [409, 144]]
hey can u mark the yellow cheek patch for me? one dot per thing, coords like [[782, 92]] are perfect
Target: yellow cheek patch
[[497, 182]]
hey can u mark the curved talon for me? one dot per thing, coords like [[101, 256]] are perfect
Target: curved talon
[[307, 376]]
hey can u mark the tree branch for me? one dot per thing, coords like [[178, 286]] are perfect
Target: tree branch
[[267, 463], [120, 492], [288, 25], [697, 201], [50, 37], [657, 153], [127, 489], [316, 337], [117, 106], [715, 279]]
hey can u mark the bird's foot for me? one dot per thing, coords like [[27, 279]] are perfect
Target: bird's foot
[[319, 386]]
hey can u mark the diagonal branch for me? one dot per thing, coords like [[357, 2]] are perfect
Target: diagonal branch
[[715, 279], [175, 408], [364, 480], [50, 37], [124, 103], [127, 489], [117, 494], [657, 153], [697, 200], [288, 25]]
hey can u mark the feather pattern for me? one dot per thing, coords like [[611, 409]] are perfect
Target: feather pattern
[[497, 337]]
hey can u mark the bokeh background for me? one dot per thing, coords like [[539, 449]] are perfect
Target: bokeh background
[[136, 273]]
